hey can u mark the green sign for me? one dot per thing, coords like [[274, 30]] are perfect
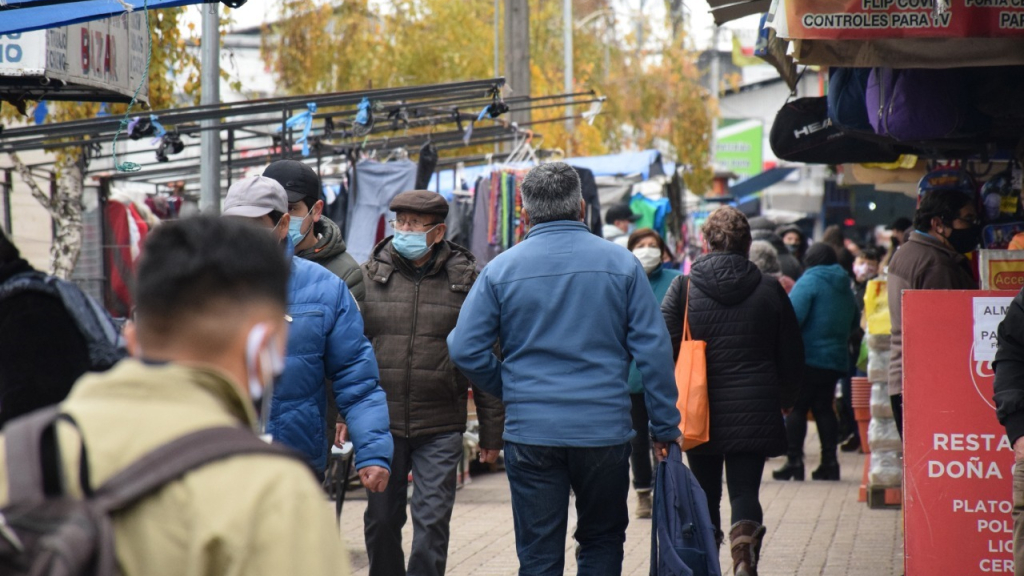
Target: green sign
[[738, 146]]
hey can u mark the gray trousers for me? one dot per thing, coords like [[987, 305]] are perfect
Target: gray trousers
[[433, 461]]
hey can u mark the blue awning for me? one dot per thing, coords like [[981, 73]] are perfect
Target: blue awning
[[647, 163], [40, 15], [759, 182]]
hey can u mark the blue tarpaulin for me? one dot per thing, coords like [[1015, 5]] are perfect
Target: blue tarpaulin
[[36, 15], [646, 163], [759, 182]]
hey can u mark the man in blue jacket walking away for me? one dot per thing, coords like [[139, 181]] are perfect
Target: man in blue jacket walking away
[[570, 311], [325, 343]]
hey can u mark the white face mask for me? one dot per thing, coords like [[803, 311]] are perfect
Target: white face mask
[[261, 377], [649, 257]]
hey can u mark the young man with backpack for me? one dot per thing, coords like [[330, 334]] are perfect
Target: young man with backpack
[[208, 340], [41, 316]]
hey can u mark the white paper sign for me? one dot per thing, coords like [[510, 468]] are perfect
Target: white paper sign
[[988, 313]]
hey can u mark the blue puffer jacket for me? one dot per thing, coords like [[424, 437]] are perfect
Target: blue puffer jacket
[[326, 341], [825, 307]]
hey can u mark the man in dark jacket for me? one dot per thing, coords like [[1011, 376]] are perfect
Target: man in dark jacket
[[1009, 399], [33, 326], [416, 282], [314, 235], [946, 228]]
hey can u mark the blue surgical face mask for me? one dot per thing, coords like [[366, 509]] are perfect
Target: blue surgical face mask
[[295, 229], [411, 245]]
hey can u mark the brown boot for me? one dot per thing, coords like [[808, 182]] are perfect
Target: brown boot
[[745, 537], [644, 503]]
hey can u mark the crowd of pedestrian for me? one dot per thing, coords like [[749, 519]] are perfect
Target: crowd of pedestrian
[[566, 342]]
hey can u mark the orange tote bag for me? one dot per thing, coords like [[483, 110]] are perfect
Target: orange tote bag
[[692, 382]]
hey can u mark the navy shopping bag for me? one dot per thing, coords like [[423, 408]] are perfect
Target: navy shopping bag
[[682, 536]]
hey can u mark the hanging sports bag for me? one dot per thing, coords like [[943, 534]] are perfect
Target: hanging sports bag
[[847, 104], [803, 132], [921, 105]]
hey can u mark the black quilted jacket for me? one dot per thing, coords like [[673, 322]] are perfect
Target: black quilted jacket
[[754, 350]]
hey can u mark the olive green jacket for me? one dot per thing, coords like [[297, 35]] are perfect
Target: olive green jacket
[[246, 515]]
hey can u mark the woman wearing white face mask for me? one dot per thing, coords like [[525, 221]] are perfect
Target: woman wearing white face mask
[[652, 252]]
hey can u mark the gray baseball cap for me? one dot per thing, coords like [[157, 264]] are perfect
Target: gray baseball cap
[[254, 197]]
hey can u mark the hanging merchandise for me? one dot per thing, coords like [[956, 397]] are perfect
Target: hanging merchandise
[[947, 179], [802, 132], [505, 225], [303, 121], [375, 185], [999, 199], [652, 212], [426, 165], [126, 232], [921, 105]]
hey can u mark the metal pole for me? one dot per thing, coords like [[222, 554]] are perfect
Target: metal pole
[[497, 40], [714, 89], [209, 180], [8, 187], [567, 48]]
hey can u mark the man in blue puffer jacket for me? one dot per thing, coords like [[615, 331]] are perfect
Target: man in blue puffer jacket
[[325, 341]]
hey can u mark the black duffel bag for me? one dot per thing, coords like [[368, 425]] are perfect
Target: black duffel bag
[[803, 133]]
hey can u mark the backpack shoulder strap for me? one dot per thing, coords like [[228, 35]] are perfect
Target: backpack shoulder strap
[[23, 444], [176, 458]]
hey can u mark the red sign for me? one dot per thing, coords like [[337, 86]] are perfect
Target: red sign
[[872, 19], [958, 463]]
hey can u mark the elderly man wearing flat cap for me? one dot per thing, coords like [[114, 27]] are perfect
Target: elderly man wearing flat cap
[[416, 282]]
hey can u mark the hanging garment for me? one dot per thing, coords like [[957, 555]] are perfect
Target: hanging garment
[[652, 212], [126, 231], [460, 220], [336, 204], [588, 186], [375, 185], [426, 165], [479, 244]]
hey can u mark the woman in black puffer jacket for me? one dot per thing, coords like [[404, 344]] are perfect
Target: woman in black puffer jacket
[[755, 356]]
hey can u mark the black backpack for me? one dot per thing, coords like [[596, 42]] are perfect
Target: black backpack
[[43, 533], [102, 336]]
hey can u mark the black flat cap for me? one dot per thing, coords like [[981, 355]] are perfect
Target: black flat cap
[[421, 202]]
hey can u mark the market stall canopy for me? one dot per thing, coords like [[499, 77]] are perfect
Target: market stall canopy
[[727, 10], [646, 163], [27, 15], [760, 182]]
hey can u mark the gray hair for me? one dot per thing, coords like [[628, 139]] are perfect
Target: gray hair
[[552, 192], [765, 257]]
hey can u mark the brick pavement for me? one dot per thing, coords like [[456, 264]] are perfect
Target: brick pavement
[[814, 528]]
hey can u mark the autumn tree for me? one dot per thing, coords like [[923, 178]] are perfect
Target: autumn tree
[[654, 93], [172, 65]]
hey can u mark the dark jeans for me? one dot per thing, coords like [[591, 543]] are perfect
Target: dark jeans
[[817, 393], [742, 475], [897, 412], [433, 461], [540, 478], [643, 471]]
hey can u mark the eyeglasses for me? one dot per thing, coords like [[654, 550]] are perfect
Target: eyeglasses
[[974, 221], [412, 225]]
